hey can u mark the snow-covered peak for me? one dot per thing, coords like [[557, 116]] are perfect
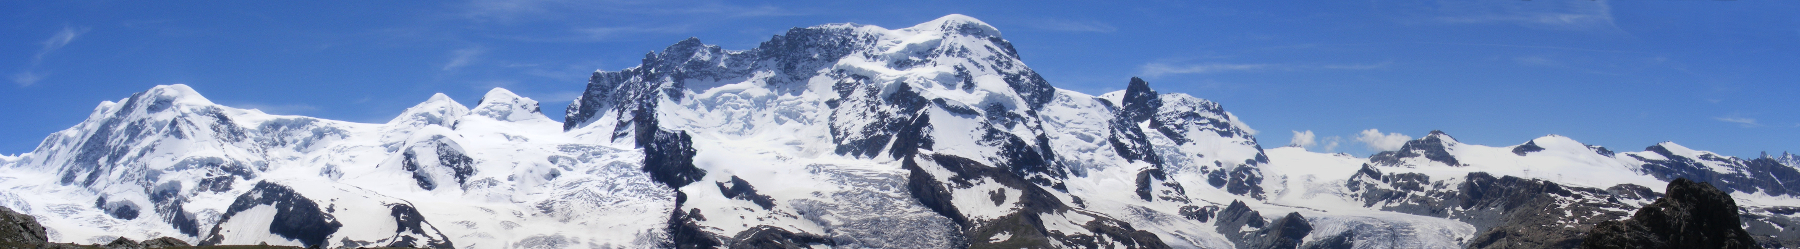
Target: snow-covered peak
[[1556, 143], [178, 93], [8, 159], [438, 110], [1790, 160], [1673, 151], [1676, 149], [503, 105], [1441, 137], [158, 99], [959, 23]]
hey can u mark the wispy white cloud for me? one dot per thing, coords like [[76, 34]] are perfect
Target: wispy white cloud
[[513, 11], [1743, 121], [1159, 69], [29, 76], [57, 41], [1303, 139], [1072, 26], [1331, 143], [1367, 66], [1559, 15], [463, 57], [1155, 69], [1537, 61], [1382, 142], [605, 33], [1309, 141]]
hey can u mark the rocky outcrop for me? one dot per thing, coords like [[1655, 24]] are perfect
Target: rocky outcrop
[[1507, 211], [1434, 147], [1692, 215], [20, 230], [296, 217]]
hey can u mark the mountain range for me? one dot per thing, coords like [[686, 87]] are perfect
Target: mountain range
[[840, 135]]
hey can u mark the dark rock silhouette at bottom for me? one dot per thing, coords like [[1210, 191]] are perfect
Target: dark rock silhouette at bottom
[[1690, 215]]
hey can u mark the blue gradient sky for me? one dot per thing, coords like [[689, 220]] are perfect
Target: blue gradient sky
[[1711, 75]]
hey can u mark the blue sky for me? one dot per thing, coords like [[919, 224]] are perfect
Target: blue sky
[[1711, 75]]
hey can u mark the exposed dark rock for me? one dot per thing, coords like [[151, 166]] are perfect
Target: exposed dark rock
[[1285, 233], [411, 222], [461, 166], [118, 209], [20, 230], [1235, 218], [1507, 212], [1246, 181], [1032, 198], [686, 233], [912, 138], [1433, 147], [1107, 232], [740, 189], [1345, 240], [1140, 103], [930, 192], [1765, 175], [887, 116], [1144, 181], [296, 217], [1692, 215], [124, 243], [1772, 227], [1528, 147], [1633, 192], [765, 236], [164, 242], [669, 156], [1196, 213]]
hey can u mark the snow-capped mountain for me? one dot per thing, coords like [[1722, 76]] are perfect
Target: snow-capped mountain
[[841, 135]]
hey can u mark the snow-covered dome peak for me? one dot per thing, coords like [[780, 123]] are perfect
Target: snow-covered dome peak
[[439, 110], [959, 23], [497, 93], [179, 92], [501, 104], [1554, 141]]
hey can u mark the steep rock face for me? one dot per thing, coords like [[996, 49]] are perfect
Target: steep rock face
[[1435, 147], [1507, 211], [1692, 215], [949, 100], [294, 217], [1249, 229], [1668, 161], [20, 230]]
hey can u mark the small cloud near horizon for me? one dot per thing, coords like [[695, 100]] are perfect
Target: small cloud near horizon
[[1382, 142]]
